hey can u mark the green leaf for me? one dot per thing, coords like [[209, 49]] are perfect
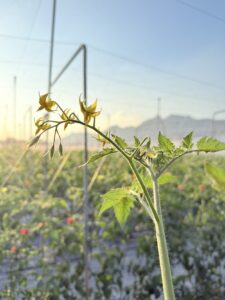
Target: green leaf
[[120, 142], [61, 203], [35, 140], [61, 149], [123, 208], [165, 144], [217, 175], [119, 199], [111, 198], [166, 178], [187, 141], [163, 179], [100, 154], [209, 144]]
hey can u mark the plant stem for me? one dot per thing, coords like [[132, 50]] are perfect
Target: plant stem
[[164, 261], [144, 189]]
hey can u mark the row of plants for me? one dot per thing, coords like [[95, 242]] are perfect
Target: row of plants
[[41, 238]]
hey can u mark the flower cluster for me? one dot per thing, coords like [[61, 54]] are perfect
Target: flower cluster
[[66, 118]]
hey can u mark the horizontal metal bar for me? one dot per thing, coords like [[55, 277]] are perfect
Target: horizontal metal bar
[[218, 112]]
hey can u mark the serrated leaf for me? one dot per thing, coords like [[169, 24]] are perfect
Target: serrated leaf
[[208, 144], [100, 154], [35, 140], [61, 149], [165, 144], [111, 198], [120, 141], [52, 150], [121, 200], [163, 179], [187, 141], [123, 208], [217, 175]]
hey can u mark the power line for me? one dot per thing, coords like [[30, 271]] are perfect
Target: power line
[[118, 81], [31, 30], [38, 40], [202, 11], [145, 87], [130, 60], [158, 69]]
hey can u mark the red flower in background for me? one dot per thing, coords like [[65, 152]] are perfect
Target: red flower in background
[[13, 249], [24, 231], [69, 220]]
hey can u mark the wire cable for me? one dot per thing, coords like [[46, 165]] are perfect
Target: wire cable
[[202, 11], [130, 60]]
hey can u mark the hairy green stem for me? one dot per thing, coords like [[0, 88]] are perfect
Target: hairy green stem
[[144, 189], [164, 261]]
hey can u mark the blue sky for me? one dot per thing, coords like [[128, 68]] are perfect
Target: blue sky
[[137, 51]]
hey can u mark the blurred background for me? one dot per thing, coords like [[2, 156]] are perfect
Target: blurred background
[[153, 65], [151, 61]]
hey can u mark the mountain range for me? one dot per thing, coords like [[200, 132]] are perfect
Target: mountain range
[[174, 126]]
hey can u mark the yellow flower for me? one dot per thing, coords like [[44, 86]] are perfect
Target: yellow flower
[[89, 111], [41, 125], [46, 103], [66, 116]]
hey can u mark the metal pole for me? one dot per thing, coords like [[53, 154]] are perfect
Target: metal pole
[[85, 186], [49, 88], [14, 104], [85, 174], [30, 122]]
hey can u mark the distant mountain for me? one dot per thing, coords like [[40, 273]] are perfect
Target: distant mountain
[[174, 126]]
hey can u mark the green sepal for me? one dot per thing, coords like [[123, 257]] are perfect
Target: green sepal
[[61, 149], [52, 150], [35, 140]]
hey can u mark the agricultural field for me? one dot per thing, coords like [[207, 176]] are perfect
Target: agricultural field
[[41, 238]]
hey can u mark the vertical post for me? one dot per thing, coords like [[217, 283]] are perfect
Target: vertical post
[[15, 105], [158, 113], [30, 122], [49, 87], [85, 185]]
